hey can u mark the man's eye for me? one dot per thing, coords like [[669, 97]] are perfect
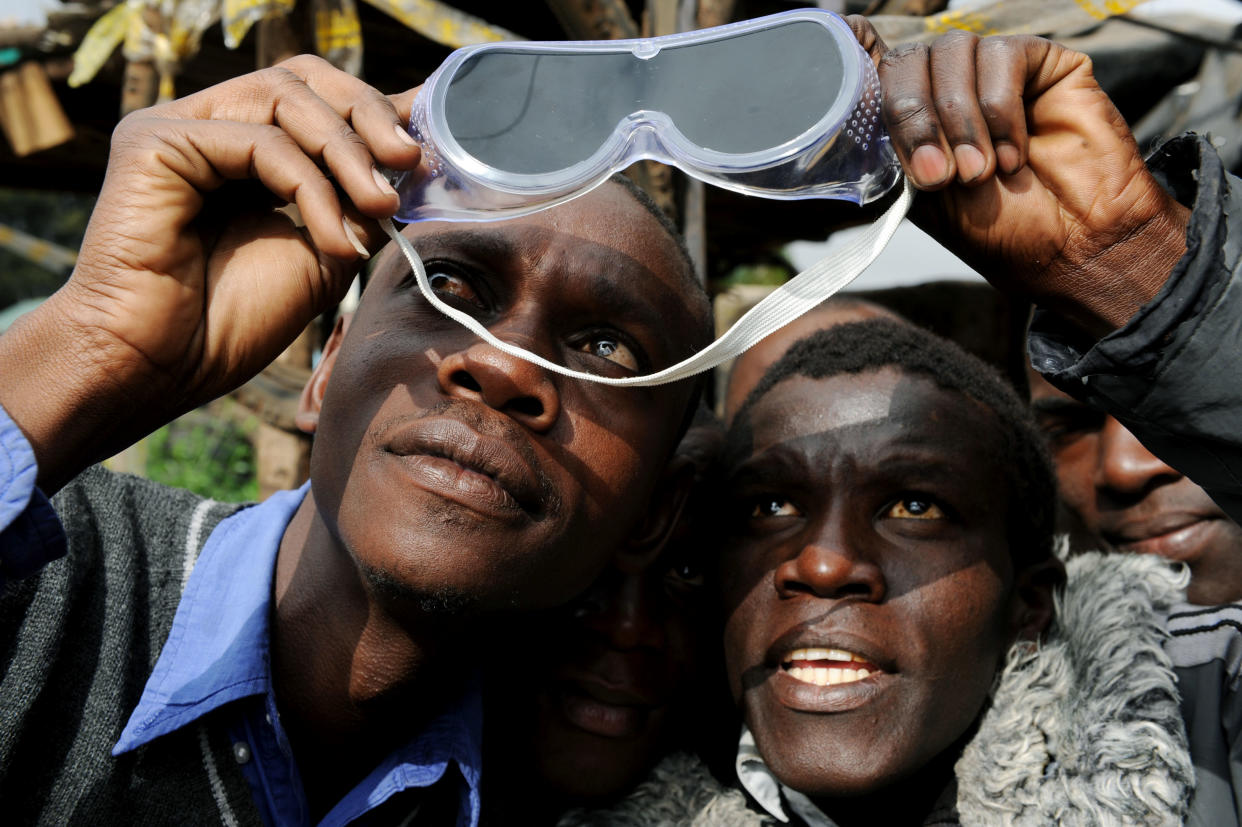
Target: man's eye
[[914, 508], [774, 507], [451, 284], [685, 573], [610, 347]]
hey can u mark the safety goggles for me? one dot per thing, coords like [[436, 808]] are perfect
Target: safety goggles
[[785, 106]]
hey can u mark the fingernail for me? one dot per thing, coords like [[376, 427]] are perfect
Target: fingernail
[[1008, 157], [382, 182], [353, 239], [403, 135], [970, 162], [929, 165]]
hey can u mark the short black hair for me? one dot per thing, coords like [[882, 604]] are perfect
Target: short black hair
[[857, 347]]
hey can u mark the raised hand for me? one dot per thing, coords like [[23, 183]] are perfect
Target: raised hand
[[188, 281], [1040, 185]]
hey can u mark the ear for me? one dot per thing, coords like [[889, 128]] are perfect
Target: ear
[[1033, 608], [309, 403], [653, 531]]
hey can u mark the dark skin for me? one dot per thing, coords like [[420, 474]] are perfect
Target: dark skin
[[870, 549], [1039, 183], [1118, 495], [617, 677], [428, 441], [187, 282]]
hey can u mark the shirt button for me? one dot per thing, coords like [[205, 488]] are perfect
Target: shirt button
[[241, 751], [268, 716]]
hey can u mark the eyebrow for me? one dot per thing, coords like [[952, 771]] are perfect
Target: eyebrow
[[484, 243]]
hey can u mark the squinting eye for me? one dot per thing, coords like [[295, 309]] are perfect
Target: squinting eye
[[913, 508], [610, 348], [774, 507], [453, 285]]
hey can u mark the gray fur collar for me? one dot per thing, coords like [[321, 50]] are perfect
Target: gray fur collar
[[1084, 728]]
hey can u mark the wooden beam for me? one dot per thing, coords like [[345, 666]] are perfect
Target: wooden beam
[[595, 19], [275, 40], [716, 12]]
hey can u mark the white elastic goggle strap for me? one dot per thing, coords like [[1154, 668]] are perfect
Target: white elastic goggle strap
[[784, 304]]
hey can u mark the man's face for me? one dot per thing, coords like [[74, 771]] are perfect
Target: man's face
[[868, 583], [614, 674], [618, 674], [1118, 495], [452, 471]]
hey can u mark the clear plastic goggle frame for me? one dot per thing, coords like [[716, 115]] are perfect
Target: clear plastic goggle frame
[[785, 106]]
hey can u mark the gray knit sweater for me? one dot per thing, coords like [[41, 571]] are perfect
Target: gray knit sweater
[[77, 644]]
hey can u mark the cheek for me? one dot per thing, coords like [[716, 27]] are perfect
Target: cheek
[[742, 649], [1075, 466]]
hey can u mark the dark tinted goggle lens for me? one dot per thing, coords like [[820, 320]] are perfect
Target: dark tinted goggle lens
[[530, 113]]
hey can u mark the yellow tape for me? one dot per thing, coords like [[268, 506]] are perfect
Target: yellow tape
[[99, 43], [442, 23], [238, 16], [965, 20], [337, 29]]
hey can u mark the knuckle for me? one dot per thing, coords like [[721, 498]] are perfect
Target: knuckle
[[302, 64], [955, 102], [907, 110], [956, 39], [904, 54]]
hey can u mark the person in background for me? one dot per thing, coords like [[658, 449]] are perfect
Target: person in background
[[1117, 495], [584, 700]]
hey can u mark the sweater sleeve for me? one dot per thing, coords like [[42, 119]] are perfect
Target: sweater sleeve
[[30, 532], [1172, 374]]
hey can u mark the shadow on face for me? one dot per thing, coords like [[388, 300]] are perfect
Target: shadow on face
[[868, 587], [457, 476], [1115, 494], [887, 534], [590, 696]]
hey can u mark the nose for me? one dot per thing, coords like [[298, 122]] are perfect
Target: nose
[[513, 386], [624, 611], [1126, 467], [829, 567]]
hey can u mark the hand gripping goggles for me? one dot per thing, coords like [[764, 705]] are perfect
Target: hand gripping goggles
[[785, 107]]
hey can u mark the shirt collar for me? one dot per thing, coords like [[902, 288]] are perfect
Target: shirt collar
[[217, 649], [218, 652], [767, 790]]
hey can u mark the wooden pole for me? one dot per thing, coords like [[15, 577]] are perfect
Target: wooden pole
[[595, 19]]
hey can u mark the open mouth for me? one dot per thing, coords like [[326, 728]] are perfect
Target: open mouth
[[827, 667]]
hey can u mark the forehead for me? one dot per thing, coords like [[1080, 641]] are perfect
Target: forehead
[[866, 414]]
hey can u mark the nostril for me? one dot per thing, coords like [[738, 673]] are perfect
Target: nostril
[[526, 406], [465, 380]]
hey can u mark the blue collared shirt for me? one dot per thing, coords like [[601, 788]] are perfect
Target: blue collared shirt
[[217, 657]]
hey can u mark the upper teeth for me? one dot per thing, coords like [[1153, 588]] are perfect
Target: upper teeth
[[825, 676], [823, 654]]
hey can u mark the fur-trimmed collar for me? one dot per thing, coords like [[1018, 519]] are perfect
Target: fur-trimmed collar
[[1084, 728]]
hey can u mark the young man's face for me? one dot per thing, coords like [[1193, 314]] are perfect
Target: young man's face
[[867, 585], [1118, 495], [454, 472]]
